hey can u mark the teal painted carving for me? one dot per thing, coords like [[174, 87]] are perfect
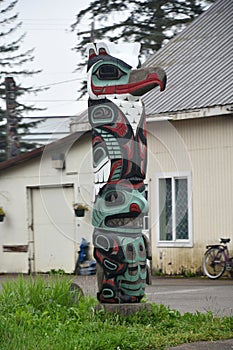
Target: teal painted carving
[[119, 160]]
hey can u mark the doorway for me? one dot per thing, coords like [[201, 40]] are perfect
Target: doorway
[[52, 244]]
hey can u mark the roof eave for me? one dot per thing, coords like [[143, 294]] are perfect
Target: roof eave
[[212, 111], [60, 143]]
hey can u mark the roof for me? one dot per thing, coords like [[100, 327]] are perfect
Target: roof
[[50, 128], [199, 64], [56, 145]]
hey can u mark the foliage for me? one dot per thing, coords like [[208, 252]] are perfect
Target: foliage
[[80, 206], [2, 212], [12, 61], [150, 22], [38, 313]]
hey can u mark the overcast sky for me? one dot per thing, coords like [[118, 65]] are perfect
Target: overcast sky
[[47, 27]]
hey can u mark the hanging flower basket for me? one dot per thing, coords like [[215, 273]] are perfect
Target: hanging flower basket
[[79, 212], [79, 209], [2, 214]]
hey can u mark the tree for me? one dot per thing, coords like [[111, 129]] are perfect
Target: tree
[[150, 22], [11, 60]]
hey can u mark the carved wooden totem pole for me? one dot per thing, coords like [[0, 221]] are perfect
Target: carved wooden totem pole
[[119, 160]]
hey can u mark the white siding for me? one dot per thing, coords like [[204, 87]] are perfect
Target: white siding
[[203, 147], [16, 185]]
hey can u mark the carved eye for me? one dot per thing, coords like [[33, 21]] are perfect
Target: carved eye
[[141, 251], [98, 154], [109, 72], [114, 198], [130, 252]]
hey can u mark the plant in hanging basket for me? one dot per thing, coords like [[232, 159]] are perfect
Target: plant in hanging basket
[[79, 209], [2, 214]]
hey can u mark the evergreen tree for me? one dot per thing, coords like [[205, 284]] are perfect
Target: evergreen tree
[[150, 22], [12, 59]]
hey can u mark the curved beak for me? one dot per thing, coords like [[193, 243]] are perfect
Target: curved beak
[[143, 80]]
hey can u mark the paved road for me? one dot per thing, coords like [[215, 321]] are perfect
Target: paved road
[[206, 345], [193, 294], [182, 294]]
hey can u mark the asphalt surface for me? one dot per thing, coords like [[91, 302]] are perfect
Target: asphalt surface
[[214, 345], [182, 294], [193, 294]]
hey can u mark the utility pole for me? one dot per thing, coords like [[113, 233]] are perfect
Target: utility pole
[[92, 32], [13, 146]]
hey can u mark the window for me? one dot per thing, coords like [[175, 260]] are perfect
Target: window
[[174, 226]]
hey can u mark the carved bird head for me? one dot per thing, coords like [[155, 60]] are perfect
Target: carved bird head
[[108, 75]]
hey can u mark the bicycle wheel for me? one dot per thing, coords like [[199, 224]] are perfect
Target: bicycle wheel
[[214, 264]]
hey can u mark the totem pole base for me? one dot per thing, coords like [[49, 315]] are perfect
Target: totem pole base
[[123, 309]]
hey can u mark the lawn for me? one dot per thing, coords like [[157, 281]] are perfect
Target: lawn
[[44, 314]]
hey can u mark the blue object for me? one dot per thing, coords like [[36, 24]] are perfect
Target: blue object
[[84, 266]]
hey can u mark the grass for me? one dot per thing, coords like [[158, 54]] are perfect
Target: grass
[[40, 314]]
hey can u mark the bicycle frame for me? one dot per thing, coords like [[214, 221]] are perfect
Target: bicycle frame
[[224, 249], [217, 259]]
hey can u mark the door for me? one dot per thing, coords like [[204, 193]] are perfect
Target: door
[[53, 229]]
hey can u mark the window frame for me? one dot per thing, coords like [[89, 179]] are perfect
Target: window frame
[[174, 242], [146, 218]]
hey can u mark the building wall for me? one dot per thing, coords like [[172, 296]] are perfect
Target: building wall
[[24, 196], [203, 147]]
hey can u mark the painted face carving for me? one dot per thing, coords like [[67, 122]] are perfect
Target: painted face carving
[[119, 161], [120, 207], [123, 258]]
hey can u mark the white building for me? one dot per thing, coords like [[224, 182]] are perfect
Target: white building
[[190, 168], [37, 190]]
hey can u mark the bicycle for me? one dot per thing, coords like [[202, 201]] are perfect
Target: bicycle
[[217, 259]]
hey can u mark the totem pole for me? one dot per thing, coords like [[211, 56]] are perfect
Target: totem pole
[[119, 161]]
